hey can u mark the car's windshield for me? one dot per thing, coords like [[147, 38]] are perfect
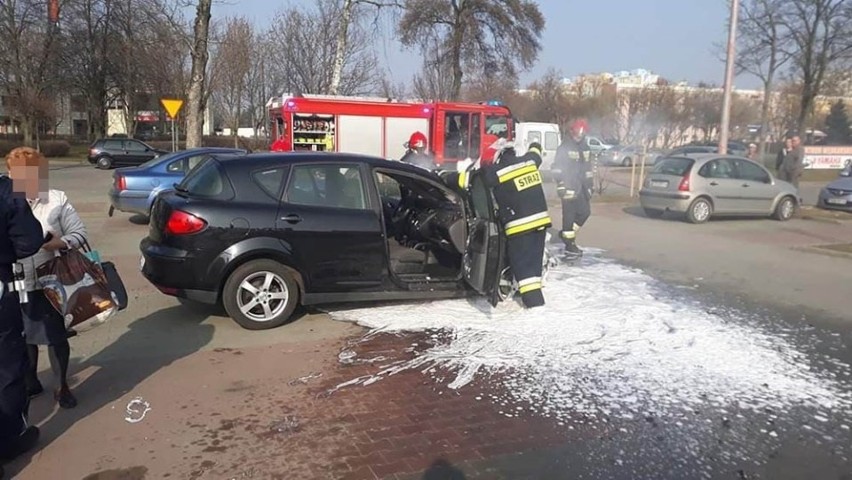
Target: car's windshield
[[673, 166]]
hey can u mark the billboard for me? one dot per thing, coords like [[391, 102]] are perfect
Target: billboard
[[836, 158]]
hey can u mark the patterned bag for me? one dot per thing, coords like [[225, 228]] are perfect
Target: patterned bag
[[77, 288]]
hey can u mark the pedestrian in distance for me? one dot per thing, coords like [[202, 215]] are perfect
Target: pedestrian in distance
[[786, 147], [752, 152], [21, 236], [794, 161], [43, 325]]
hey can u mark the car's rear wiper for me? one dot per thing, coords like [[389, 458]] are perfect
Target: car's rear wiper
[[180, 189]]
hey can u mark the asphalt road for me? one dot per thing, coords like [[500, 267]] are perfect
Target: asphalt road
[[195, 367]]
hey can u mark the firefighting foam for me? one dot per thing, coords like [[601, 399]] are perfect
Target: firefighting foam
[[618, 344]]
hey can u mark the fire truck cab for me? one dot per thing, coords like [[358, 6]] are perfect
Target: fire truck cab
[[381, 127]]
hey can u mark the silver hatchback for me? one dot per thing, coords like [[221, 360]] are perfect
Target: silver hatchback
[[704, 185]]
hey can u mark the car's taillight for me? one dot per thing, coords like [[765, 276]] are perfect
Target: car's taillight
[[182, 223], [120, 183], [684, 184]]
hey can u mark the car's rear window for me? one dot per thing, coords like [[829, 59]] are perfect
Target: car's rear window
[[673, 166], [207, 180]]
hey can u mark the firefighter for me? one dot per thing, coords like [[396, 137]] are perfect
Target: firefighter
[[416, 153], [20, 237], [574, 182], [521, 211]]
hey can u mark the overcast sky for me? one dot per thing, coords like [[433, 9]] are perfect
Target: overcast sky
[[674, 38]]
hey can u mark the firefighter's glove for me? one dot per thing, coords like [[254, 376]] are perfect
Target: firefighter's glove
[[564, 193]]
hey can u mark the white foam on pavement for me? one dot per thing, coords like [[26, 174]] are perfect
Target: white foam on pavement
[[607, 342]]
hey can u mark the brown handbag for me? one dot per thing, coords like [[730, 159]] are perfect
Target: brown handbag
[[76, 287]]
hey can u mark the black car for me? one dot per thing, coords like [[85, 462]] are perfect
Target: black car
[[264, 233], [108, 152]]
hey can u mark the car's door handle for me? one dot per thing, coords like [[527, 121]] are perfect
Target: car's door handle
[[292, 218], [745, 185], [714, 184]]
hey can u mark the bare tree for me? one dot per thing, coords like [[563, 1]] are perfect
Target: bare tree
[[347, 14], [549, 99], [197, 95], [434, 82], [28, 61], [821, 36], [233, 64], [763, 50], [504, 34], [305, 53]]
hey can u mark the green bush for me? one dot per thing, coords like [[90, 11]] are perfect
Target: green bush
[[48, 148], [252, 144]]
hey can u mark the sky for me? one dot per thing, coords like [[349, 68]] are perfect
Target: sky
[[673, 38]]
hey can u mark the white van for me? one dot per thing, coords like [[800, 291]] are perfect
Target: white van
[[546, 134]]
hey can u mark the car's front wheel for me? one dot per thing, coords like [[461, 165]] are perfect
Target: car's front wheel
[[700, 211], [104, 163], [785, 209], [260, 295]]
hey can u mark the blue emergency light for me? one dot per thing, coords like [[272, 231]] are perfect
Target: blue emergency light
[[494, 103]]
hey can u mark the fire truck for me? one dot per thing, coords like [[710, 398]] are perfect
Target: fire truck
[[381, 126]]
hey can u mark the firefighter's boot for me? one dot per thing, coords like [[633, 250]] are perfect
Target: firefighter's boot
[[572, 251]]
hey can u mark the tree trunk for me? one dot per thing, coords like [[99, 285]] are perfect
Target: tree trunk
[[764, 115], [340, 47], [195, 99]]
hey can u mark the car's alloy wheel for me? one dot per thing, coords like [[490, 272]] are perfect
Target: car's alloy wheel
[[104, 163], [261, 294], [508, 286], [699, 211], [627, 161], [785, 209]]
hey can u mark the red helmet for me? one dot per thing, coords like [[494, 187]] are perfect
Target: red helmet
[[579, 128], [417, 140]]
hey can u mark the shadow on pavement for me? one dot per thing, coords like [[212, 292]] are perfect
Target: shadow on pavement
[[443, 470], [139, 220], [151, 343]]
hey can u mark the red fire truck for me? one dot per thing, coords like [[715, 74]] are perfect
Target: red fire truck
[[381, 126]]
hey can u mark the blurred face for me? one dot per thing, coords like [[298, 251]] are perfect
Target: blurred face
[[752, 149], [28, 171], [788, 144], [796, 141]]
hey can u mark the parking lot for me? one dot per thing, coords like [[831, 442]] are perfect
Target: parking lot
[[319, 399]]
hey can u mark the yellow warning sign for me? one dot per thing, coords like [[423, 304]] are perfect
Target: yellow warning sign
[[172, 106]]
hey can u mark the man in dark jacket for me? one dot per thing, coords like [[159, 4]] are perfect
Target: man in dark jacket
[[794, 162], [574, 183], [782, 155], [20, 237]]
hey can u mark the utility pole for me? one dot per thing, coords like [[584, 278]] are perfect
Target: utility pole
[[729, 78]]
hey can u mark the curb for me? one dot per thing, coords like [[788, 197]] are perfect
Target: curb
[[824, 251]]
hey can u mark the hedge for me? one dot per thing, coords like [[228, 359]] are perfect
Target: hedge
[[48, 148], [216, 141]]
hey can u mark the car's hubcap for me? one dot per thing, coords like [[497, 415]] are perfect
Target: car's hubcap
[[262, 296], [787, 209], [701, 211]]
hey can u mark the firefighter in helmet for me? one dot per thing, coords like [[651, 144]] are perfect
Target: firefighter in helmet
[[516, 184], [574, 183], [416, 153]]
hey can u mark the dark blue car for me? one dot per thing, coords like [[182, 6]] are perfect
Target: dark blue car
[[135, 188]]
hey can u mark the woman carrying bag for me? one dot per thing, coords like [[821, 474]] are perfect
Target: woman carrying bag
[[63, 229]]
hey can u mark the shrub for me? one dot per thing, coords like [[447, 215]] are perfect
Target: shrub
[[49, 148]]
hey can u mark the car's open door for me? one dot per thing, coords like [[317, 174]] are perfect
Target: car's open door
[[483, 258]]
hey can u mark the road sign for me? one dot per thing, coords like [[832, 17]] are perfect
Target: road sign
[[172, 106]]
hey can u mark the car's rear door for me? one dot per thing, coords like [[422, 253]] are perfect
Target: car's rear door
[[483, 258], [334, 231]]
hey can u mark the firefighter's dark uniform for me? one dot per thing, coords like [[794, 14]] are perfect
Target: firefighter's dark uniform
[[521, 211], [423, 160], [574, 184], [20, 237]]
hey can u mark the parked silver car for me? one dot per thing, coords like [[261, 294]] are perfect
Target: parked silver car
[[626, 156], [708, 184], [837, 195]]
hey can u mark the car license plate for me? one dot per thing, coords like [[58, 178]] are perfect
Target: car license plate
[[659, 183], [142, 263], [527, 181], [836, 201]]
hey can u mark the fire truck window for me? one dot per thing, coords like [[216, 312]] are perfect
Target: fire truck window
[[475, 136], [495, 125], [455, 135]]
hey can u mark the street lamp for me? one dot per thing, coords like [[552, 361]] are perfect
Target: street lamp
[[729, 78]]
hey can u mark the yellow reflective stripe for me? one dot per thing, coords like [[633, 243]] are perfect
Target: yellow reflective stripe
[[528, 281], [530, 287], [535, 150], [527, 219], [568, 235], [528, 226], [576, 227], [518, 173], [463, 179]]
